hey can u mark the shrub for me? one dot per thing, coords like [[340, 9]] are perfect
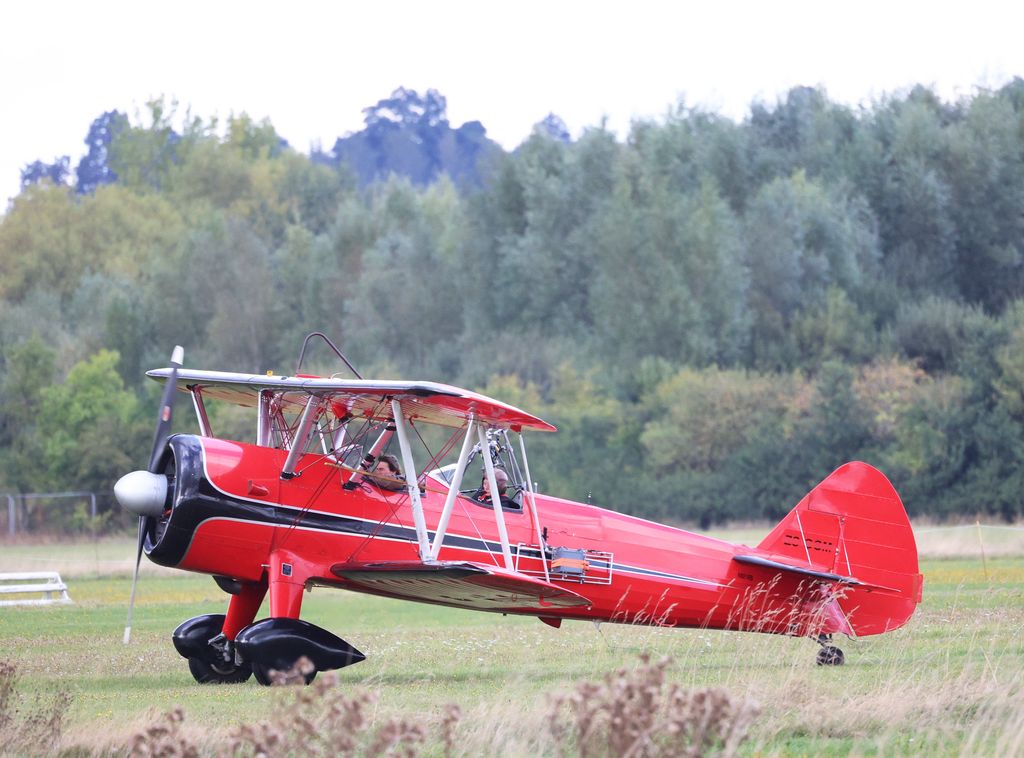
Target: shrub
[[634, 713]]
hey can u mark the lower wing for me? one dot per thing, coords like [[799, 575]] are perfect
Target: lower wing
[[457, 583]]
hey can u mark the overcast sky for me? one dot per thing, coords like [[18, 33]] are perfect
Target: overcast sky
[[311, 67]]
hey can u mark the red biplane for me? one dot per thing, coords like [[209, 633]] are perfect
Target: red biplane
[[302, 506]]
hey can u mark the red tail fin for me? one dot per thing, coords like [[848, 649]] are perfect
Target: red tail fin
[[854, 524]]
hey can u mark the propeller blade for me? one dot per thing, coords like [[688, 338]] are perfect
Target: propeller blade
[[163, 420], [138, 494], [135, 579]]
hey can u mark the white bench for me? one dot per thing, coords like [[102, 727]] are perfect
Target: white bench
[[45, 583]]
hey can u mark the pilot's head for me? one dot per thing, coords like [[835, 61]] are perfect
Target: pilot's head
[[499, 476]]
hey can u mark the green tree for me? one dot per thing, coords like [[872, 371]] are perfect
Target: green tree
[[671, 281], [101, 435], [699, 418], [835, 330], [986, 180], [802, 240], [28, 371], [39, 243], [405, 307], [929, 457], [594, 455], [908, 187], [529, 259], [932, 331], [803, 132], [144, 157]]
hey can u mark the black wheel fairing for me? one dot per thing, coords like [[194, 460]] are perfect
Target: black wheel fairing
[[277, 643]]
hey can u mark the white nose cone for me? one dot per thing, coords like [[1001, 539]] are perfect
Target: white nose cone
[[142, 493]]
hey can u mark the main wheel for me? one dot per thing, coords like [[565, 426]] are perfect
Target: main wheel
[[262, 674], [206, 672], [830, 655]]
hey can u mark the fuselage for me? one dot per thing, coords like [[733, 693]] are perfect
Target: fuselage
[[232, 510]]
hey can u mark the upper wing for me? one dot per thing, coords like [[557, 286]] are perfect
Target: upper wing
[[459, 583], [429, 402]]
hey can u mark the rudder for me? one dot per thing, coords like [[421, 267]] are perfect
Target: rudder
[[854, 524]]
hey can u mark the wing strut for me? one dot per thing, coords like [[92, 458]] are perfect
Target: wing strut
[[309, 414], [453, 490], [411, 481], [371, 456], [264, 421], [492, 485], [200, 409], [533, 507]]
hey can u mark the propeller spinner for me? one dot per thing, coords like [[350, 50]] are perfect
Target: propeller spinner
[[142, 493]]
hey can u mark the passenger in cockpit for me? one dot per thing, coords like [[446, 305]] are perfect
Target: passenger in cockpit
[[387, 474]]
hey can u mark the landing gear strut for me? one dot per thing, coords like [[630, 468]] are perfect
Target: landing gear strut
[[829, 655], [211, 656]]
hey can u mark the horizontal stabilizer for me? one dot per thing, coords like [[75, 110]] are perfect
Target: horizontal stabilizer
[[756, 560], [803, 571], [458, 583]]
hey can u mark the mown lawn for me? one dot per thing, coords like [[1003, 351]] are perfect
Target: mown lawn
[[949, 683]]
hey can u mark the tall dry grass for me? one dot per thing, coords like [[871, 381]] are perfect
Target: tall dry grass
[[635, 712], [924, 691], [29, 726], [320, 720], [942, 709]]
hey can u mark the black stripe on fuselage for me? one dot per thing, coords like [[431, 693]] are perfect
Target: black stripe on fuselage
[[199, 500]]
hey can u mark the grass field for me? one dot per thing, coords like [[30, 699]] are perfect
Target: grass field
[[950, 683]]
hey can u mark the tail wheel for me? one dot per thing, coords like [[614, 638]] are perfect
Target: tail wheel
[[206, 672]]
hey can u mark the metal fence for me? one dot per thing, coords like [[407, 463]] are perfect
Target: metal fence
[[18, 506]]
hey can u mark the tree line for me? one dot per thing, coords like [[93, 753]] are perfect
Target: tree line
[[715, 313]]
